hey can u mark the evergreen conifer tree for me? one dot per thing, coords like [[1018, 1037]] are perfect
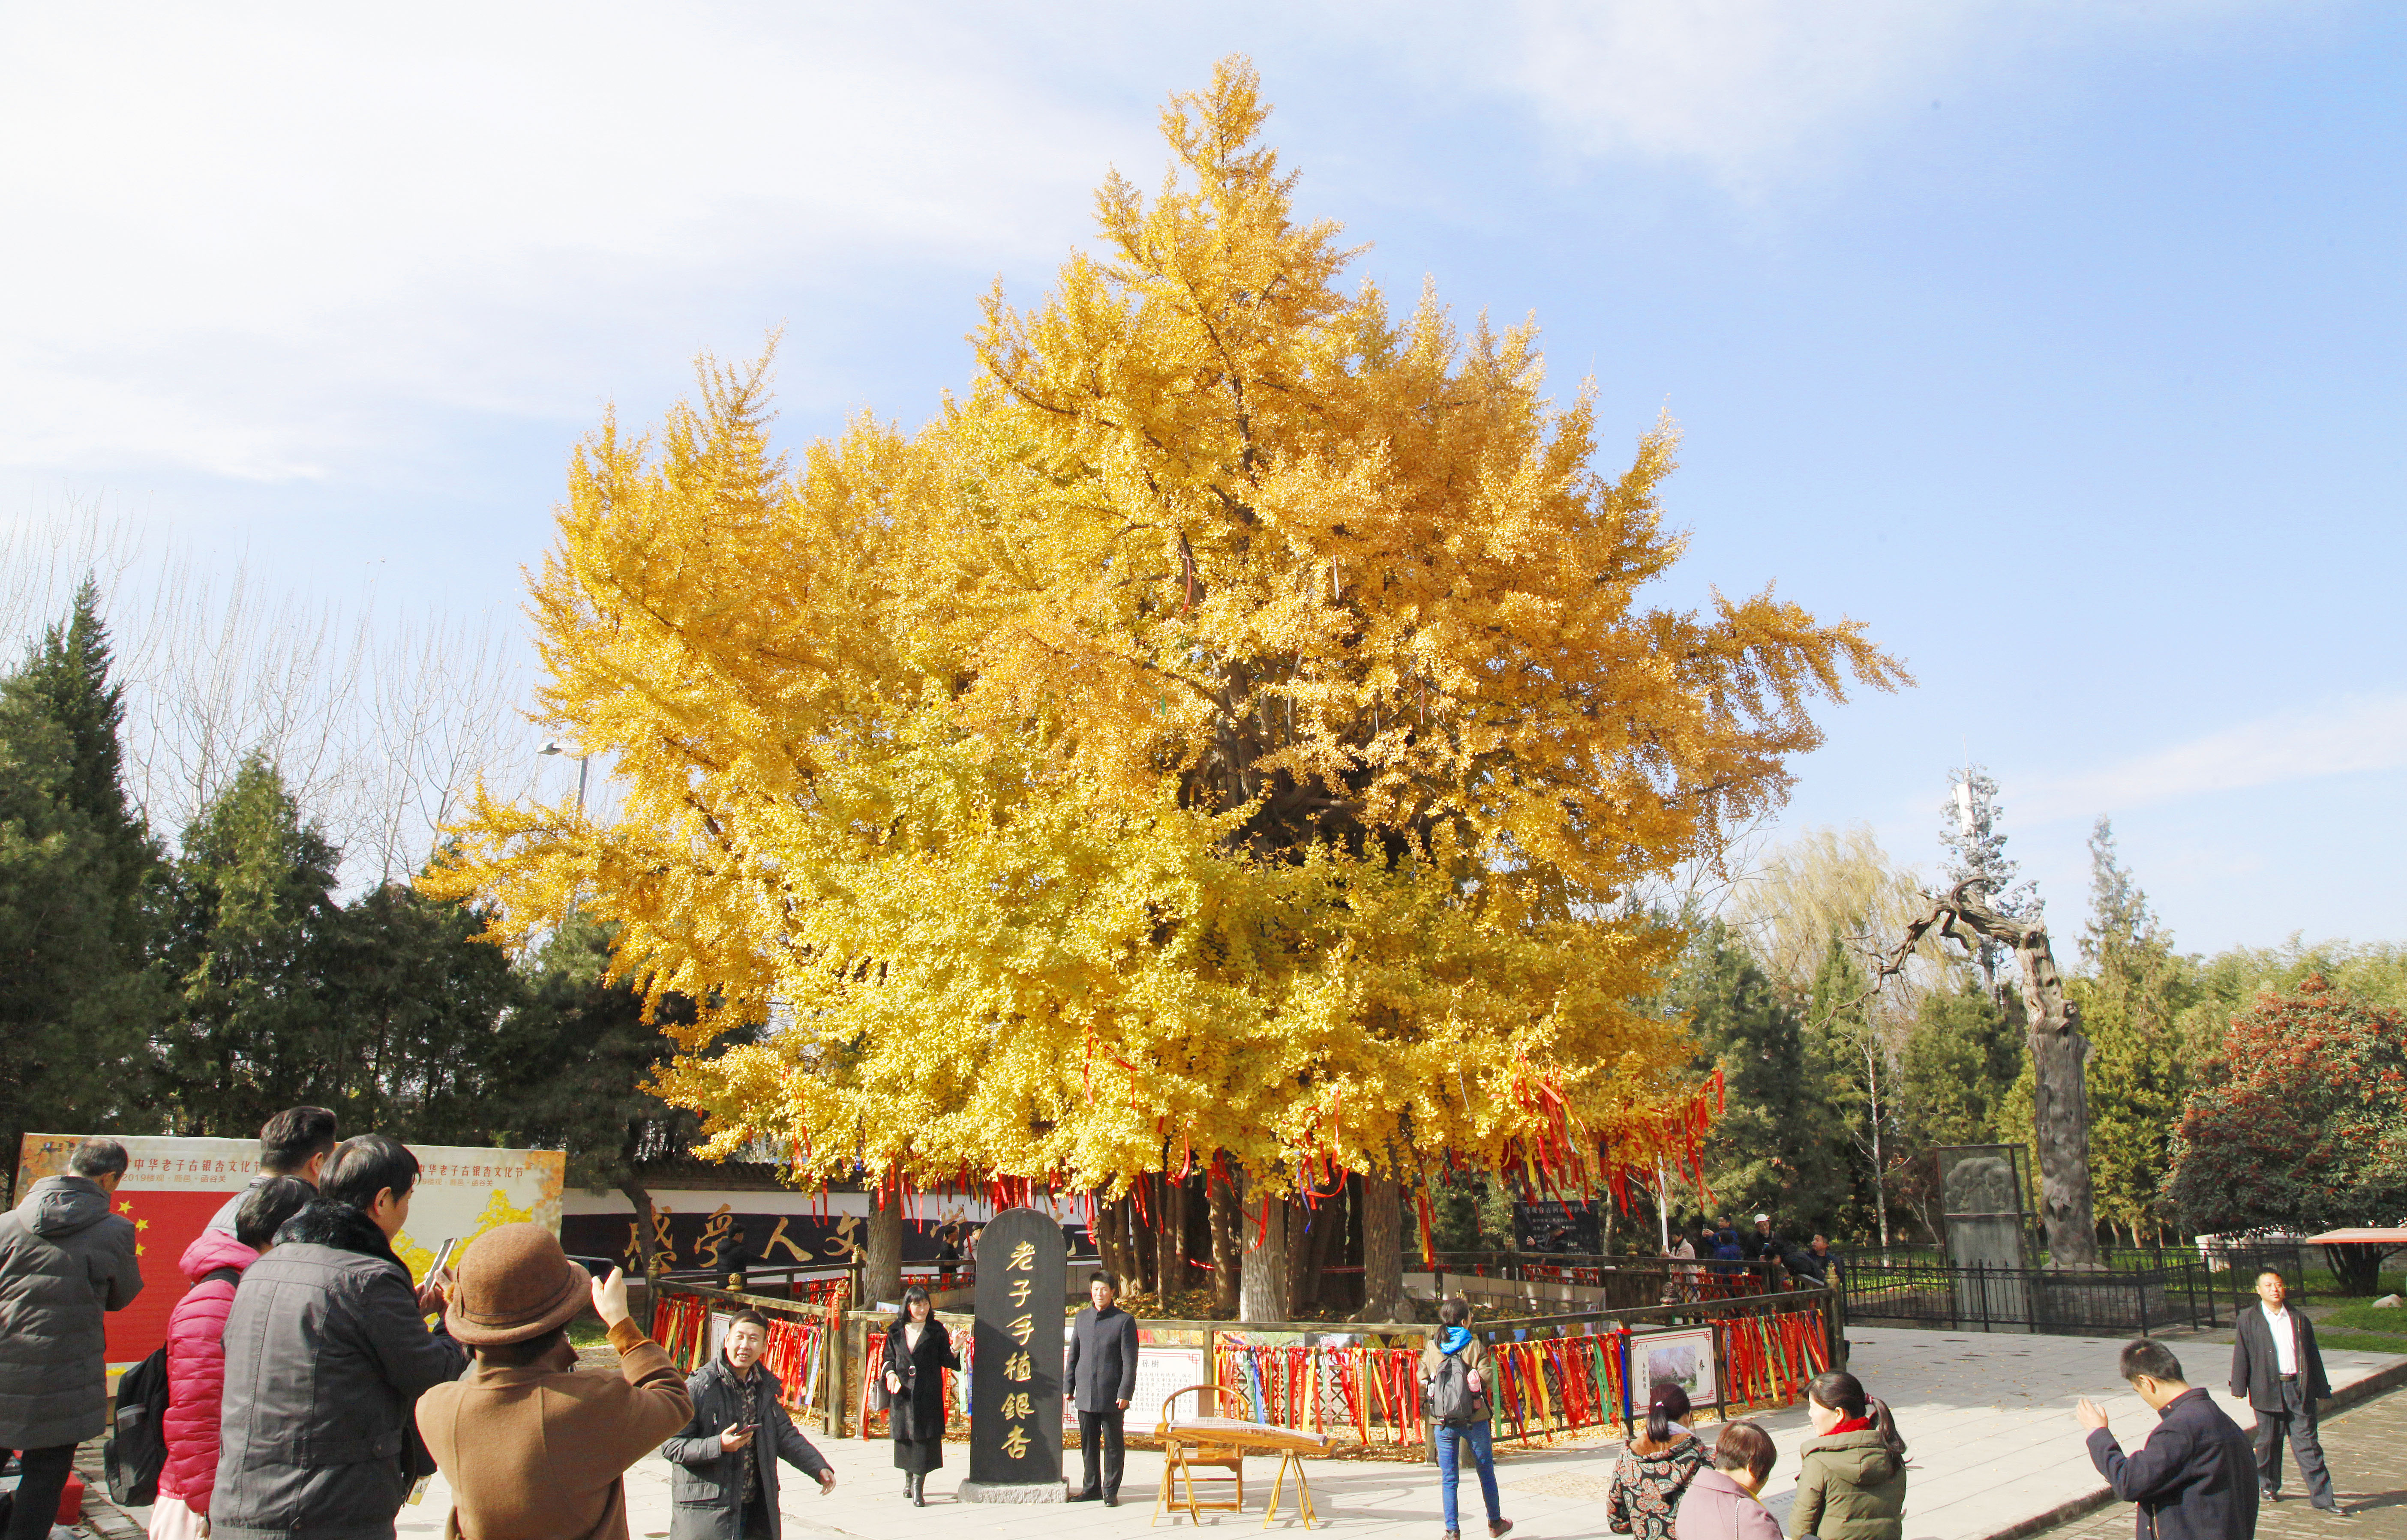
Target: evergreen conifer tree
[[2131, 992], [254, 928], [77, 875], [1780, 1146]]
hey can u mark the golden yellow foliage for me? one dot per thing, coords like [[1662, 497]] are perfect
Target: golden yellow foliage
[[1225, 731]]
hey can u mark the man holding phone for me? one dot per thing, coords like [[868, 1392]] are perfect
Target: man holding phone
[[725, 1486]]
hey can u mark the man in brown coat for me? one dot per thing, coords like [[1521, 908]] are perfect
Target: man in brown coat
[[534, 1450]]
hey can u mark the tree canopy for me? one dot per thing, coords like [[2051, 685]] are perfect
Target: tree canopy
[[1226, 732], [2302, 1118]]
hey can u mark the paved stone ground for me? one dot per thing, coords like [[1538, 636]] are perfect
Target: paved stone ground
[[1995, 1450], [2367, 1448]]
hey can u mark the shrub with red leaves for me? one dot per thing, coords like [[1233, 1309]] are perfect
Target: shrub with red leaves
[[2301, 1121]]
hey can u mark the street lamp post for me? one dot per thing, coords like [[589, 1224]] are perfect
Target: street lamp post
[[555, 746]]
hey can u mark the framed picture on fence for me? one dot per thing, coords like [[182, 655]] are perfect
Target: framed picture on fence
[[1683, 1357]]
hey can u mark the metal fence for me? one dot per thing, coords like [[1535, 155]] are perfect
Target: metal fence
[[1626, 1279], [2134, 1296]]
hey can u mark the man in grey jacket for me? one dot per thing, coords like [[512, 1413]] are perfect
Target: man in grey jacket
[[725, 1486], [1100, 1374], [326, 1354], [64, 1262], [2279, 1371]]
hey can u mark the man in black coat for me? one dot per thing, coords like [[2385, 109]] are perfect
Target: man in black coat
[[2196, 1477], [1102, 1376], [2277, 1367]]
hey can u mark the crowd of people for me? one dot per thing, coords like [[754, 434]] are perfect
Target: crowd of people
[[308, 1397], [1726, 1251]]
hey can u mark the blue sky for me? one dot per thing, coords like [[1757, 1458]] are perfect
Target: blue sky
[[2062, 344]]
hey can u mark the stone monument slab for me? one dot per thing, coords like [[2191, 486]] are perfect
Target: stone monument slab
[[1016, 1374]]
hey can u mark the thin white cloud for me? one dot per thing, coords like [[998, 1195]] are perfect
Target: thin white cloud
[[251, 240], [237, 230], [2345, 736], [1754, 91]]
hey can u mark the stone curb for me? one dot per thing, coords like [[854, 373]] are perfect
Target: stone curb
[[2379, 1382]]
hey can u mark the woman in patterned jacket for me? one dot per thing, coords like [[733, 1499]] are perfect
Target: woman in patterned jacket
[[1655, 1470]]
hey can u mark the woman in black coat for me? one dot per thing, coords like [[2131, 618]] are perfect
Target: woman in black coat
[[918, 1351]]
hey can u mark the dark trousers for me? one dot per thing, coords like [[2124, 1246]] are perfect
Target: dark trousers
[[1104, 1428], [44, 1477], [2297, 1417]]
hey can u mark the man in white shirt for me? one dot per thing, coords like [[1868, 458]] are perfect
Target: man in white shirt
[[2277, 1369]]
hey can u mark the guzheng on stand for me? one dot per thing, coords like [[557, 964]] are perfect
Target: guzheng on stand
[[1218, 1443]]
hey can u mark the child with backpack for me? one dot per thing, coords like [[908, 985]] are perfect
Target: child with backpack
[[1453, 1393]]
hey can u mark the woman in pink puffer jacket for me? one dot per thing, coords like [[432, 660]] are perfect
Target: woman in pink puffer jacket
[[196, 1353]]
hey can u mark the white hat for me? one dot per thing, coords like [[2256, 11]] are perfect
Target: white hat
[[1763, 1219]]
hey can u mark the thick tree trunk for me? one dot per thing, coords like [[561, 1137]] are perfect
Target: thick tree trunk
[[1108, 1249], [881, 1260], [1383, 1248], [1263, 1295], [2059, 1108], [641, 1196], [1227, 1246], [1136, 1240], [1170, 1236], [1304, 1242], [2359, 1269]]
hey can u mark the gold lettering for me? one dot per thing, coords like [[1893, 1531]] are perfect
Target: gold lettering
[[1016, 1404], [1018, 1368], [1023, 1256], [1022, 1329], [1019, 1290], [778, 1238], [841, 1244], [1014, 1443]]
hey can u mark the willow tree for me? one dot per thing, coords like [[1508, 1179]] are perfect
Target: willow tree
[[1221, 740]]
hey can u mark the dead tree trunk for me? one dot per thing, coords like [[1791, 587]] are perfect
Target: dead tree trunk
[[1383, 1247], [2060, 1102]]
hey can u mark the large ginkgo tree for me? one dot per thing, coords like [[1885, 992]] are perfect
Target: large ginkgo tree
[[1225, 738]]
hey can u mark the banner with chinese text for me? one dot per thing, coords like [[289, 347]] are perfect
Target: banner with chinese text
[[172, 1187]]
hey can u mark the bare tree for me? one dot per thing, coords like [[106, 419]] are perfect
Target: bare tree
[[379, 724], [1836, 888]]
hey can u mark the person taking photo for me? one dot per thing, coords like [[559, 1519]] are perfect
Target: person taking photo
[[1455, 1392], [534, 1450]]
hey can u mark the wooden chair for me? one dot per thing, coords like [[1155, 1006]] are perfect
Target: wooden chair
[[1181, 1457]]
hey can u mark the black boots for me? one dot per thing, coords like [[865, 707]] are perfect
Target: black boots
[[917, 1485]]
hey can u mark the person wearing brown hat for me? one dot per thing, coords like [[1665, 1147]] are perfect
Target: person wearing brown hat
[[533, 1448]]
